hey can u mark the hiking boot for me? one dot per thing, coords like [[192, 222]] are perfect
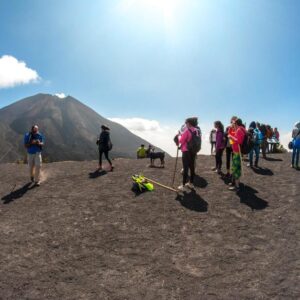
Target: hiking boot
[[181, 188], [190, 185]]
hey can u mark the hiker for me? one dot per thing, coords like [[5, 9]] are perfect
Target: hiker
[[264, 143], [275, 139], [34, 142], [141, 152], [190, 142], [220, 145], [296, 146], [229, 130], [105, 145], [236, 141], [212, 140], [257, 139], [269, 138]]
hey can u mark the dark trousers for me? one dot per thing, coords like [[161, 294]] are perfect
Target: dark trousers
[[188, 162], [106, 156], [264, 147], [219, 154], [228, 157]]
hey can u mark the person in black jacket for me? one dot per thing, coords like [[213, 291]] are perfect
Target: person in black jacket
[[105, 145]]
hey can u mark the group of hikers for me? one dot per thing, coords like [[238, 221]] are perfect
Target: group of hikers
[[235, 140], [269, 138]]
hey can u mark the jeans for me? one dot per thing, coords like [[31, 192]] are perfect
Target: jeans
[[295, 156], [188, 161], [251, 154]]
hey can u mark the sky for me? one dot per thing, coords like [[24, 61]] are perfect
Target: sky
[[149, 64]]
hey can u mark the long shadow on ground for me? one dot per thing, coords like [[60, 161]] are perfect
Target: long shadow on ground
[[263, 171], [200, 182], [248, 196], [97, 174], [19, 193], [273, 159], [193, 202]]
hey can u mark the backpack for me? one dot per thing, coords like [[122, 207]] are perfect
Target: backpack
[[140, 184], [109, 145], [194, 144], [257, 137], [248, 143]]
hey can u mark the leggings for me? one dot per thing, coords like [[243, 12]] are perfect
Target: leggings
[[228, 157], [219, 154], [106, 156], [188, 161]]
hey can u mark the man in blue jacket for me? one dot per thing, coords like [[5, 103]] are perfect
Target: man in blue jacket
[[34, 142]]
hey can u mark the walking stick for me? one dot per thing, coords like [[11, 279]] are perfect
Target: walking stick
[[161, 185], [175, 169]]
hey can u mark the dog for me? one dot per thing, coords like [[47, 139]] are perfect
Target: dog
[[154, 155]]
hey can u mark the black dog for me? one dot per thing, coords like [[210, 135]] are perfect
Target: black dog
[[154, 155]]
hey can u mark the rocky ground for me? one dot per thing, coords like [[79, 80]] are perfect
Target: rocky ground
[[85, 235]]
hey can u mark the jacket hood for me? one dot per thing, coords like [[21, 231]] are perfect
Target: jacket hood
[[297, 125]]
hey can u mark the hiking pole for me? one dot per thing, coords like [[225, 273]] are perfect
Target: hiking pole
[[175, 169], [5, 154], [162, 185]]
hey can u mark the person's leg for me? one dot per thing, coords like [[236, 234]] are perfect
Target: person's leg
[[192, 167], [38, 165], [217, 161], [228, 156], [256, 150], [220, 159], [297, 157], [109, 161], [185, 163], [100, 159], [251, 157], [30, 159], [236, 170], [211, 148], [263, 148]]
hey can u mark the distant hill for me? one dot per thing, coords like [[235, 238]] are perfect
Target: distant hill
[[70, 127]]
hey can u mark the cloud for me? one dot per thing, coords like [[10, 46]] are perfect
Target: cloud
[[161, 135], [14, 72], [60, 95]]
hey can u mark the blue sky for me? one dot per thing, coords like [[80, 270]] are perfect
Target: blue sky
[[160, 60]]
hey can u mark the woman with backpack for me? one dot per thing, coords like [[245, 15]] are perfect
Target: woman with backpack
[[105, 145], [220, 145], [186, 139], [296, 146], [229, 130], [236, 140], [257, 139]]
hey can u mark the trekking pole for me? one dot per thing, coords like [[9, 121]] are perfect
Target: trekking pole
[[175, 169], [240, 153], [161, 185], [5, 154]]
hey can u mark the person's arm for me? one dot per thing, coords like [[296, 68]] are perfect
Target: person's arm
[[41, 141], [27, 140], [184, 137]]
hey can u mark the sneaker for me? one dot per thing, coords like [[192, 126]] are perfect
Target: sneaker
[[190, 185], [292, 166], [37, 183], [230, 184], [214, 169], [249, 165], [234, 188], [181, 188]]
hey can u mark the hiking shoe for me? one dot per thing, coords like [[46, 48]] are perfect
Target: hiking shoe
[[234, 188], [181, 188], [190, 185], [292, 166], [214, 169], [37, 183], [249, 165]]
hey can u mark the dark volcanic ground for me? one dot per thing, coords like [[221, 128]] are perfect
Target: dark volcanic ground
[[79, 236]]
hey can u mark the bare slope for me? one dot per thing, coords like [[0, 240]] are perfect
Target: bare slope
[[80, 236]]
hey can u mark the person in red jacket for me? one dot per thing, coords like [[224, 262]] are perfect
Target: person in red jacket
[[236, 139]]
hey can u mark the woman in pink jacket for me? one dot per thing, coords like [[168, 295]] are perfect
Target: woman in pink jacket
[[236, 140], [188, 158]]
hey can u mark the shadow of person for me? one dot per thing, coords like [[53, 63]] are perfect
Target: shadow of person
[[200, 182], [97, 174], [192, 201], [19, 193], [273, 159], [263, 171], [248, 197]]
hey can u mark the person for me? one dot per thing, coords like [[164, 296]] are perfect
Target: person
[[257, 139], [212, 140], [141, 152], [220, 145], [269, 138], [229, 130], [264, 143], [236, 140], [34, 142], [188, 157], [105, 145], [296, 146], [275, 139]]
